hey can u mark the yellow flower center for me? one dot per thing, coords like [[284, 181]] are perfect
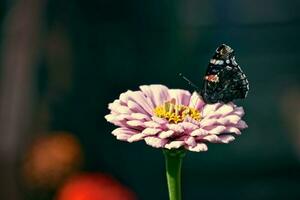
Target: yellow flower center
[[176, 113]]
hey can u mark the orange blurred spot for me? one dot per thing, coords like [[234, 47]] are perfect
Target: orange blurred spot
[[51, 158], [94, 186]]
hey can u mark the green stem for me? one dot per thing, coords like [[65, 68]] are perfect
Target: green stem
[[173, 169]]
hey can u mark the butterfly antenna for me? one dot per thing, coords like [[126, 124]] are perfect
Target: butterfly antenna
[[189, 82]]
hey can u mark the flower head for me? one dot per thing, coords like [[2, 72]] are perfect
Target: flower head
[[173, 118]]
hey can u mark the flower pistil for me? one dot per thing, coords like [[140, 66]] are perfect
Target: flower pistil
[[176, 113]]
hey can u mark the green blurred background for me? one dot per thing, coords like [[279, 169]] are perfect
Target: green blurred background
[[62, 62]]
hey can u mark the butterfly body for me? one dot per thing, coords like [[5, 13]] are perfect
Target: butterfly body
[[224, 80]]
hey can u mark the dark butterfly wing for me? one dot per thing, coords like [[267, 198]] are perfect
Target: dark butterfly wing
[[224, 80]]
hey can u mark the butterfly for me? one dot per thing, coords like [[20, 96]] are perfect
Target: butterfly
[[224, 80]]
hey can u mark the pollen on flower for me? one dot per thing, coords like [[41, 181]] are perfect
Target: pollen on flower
[[176, 113]]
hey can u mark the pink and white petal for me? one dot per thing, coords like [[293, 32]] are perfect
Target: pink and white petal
[[241, 124], [224, 110], [136, 137], [239, 111], [110, 117], [158, 94], [152, 124], [136, 108], [155, 142], [196, 101], [139, 98], [123, 110], [232, 129], [213, 115], [120, 117], [123, 137], [140, 116], [191, 120], [159, 120], [121, 123], [118, 108], [219, 139], [198, 148], [136, 123], [124, 97], [229, 119], [190, 141], [226, 138], [182, 97], [166, 134], [124, 130], [199, 132], [174, 144], [151, 131], [113, 112], [217, 130], [175, 127], [187, 126], [114, 106], [209, 108], [212, 138], [118, 120], [208, 122]]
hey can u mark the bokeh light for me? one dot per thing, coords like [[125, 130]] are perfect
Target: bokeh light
[[50, 159], [94, 186]]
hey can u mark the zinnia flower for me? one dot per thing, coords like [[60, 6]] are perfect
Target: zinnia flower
[[173, 118]]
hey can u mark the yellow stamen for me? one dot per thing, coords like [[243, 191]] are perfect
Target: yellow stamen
[[176, 113]]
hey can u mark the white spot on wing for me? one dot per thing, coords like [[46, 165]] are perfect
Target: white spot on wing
[[216, 62], [233, 61], [228, 67]]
